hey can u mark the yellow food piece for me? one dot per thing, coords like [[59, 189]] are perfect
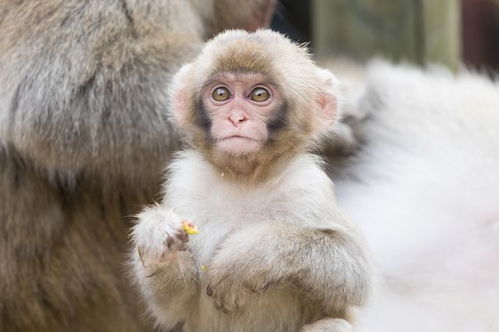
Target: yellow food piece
[[204, 268], [189, 228]]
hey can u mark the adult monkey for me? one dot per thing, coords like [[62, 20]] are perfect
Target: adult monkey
[[424, 188], [83, 137]]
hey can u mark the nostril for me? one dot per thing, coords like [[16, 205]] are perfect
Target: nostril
[[237, 119]]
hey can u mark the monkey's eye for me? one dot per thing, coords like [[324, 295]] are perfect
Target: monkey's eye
[[259, 95], [220, 94]]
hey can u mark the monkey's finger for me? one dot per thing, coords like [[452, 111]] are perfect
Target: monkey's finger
[[182, 247], [265, 287], [174, 244], [182, 235], [209, 291], [169, 242], [219, 304], [231, 302], [141, 256]]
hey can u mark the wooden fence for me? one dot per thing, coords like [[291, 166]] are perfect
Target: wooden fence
[[419, 31]]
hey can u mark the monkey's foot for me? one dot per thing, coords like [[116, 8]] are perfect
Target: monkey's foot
[[158, 235], [328, 325]]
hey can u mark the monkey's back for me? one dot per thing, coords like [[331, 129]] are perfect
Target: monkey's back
[[83, 137]]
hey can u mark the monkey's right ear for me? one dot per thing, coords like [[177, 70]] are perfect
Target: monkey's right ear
[[328, 100], [180, 101]]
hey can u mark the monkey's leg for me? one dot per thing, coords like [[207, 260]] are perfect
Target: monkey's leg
[[328, 325]]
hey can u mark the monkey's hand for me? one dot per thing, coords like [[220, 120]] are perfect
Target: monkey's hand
[[232, 281], [164, 272], [158, 235], [246, 265]]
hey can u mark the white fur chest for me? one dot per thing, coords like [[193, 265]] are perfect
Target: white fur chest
[[220, 207]]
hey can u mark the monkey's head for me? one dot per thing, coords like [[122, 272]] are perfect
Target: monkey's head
[[250, 100]]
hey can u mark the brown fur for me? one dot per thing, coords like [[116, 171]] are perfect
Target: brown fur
[[84, 135], [243, 57], [61, 253], [228, 13]]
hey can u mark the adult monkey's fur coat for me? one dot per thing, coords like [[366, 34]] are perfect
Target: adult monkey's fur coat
[[424, 188], [83, 138]]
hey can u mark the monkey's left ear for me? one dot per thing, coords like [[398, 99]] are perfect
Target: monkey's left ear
[[179, 97], [328, 100]]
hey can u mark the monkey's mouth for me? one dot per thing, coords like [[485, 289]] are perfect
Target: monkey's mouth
[[238, 144], [238, 137]]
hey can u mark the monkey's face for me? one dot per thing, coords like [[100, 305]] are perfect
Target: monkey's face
[[252, 98], [244, 110]]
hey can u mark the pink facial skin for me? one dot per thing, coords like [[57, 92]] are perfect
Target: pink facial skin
[[239, 124]]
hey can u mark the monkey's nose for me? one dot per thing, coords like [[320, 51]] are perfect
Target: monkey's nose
[[237, 119]]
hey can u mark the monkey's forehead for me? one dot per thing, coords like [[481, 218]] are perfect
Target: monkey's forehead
[[243, 57], [263, 52]]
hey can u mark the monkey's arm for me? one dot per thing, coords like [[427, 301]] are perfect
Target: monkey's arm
[[162, 267], [326, 263]]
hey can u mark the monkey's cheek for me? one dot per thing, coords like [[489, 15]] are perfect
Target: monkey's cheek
[[239, 146]]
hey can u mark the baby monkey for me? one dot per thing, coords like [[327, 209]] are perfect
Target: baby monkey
[[274, 252]]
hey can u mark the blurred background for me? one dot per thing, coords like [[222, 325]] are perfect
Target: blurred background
[[448, 32]]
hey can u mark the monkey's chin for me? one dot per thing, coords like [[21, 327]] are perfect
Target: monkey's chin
[[238, 146]]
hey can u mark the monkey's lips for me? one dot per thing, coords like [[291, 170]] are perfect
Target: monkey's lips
[[238, 144], [238, 137]]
